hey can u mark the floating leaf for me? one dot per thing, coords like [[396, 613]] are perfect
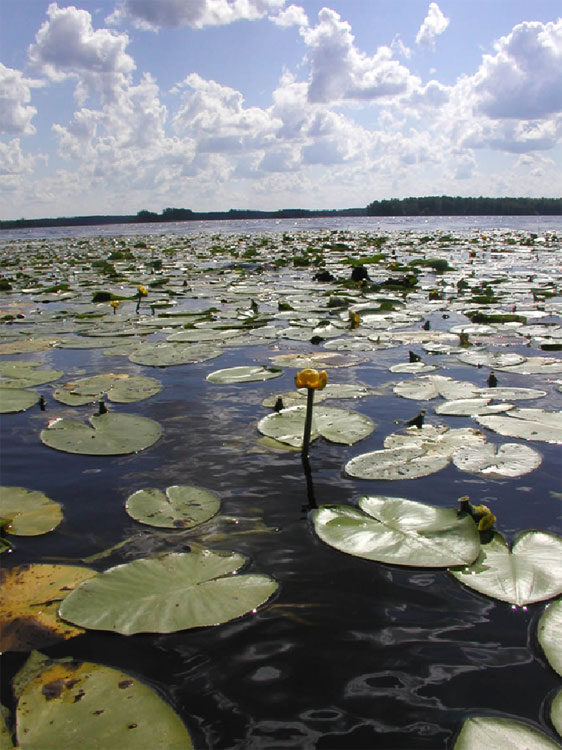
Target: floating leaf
[[16, 374], [549, 634], [501, 734], [110, 435], [530, 572], [245, 374], [119, 387], [412, 367], [30, 598], [13, 400], [530, 424], [399, 531], [336, 425], [536, 366], [435, 438], [28, 512], [200, 334], [314, 361], [469, 407], [168, 593], [164, 354], [71, 705], [181, 507], [495, 360], [396, 463], [556, 712], [497, 462]]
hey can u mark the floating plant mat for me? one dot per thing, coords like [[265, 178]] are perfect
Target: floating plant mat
[[179, 507], [14, 374], [399, 531], [68, 704], [13, 400], [529, 572], [480, 732], [109, 434], [335, 425], [119, 387], [27, 345], [244, 374], [165, 354], [549, 634], [529, 424], [168, 593], [428, 387], [28, 512], [201, 334], [89, 342], [31, 595]]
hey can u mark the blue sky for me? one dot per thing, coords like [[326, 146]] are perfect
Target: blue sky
[[113, 106]]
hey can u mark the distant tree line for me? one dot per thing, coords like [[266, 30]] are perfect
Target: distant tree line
[[442, 205], [446, 205]]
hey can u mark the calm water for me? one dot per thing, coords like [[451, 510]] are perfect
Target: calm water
[[350, 654]]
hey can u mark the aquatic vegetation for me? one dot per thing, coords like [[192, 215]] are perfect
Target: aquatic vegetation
[[13, 400], [549, 634], [487, 731], [179, 507], [28, 512], [118, 387]]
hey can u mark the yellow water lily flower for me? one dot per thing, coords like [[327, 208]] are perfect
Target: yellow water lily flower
[[354, 320], [114, 304], [311, 379], [486, 522], [142, 290]]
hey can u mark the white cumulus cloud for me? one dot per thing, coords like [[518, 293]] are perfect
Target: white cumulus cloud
[[434, 24], [154, 14], [294, 15], [15, 93]]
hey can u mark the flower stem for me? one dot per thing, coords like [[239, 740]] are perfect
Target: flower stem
[[307, 422]]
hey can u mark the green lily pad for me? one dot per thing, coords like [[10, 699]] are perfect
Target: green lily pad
[[181, 507], [501, 734], [28, 512], [86, 705], [530, 424], [549, 634], [13, 400], [556, 712], [491, 359], [469, 407], [89, 342], [164, 354], [245, 374], [336, 425], [119, 387], [530, 572], [168, 593], [536, 366], [399, 531], [201, 334], [313, 360], [497, 462], [406, 462], [412, 367], [109, 435], [16, 374]]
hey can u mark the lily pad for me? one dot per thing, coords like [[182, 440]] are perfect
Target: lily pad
[[407, 462], [501, 734], [109, 435], [13, 400], [536, 366], [497, 462], [16, 374], [28, 512], [180, 507], [549, 634], [435, 438], [314, 361], [168, 593], [30, 598], [469, 407], [86, 705], [164, 354], [119, 387], [245, 374], [529, 424], [491, 359], [399, 531], [530, 572], [335, 425], [556, 712]]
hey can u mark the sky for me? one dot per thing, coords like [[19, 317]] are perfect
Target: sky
[[118, 106]]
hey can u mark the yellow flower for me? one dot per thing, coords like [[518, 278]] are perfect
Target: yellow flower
[[142, 290], [311, 379], [114, 304], [486, 522], [482, 510], [354, 320]]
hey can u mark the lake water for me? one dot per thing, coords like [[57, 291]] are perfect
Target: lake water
[[350, 654]]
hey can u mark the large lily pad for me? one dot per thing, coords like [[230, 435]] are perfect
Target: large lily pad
[[406, 462], [399, 531], [336, 425], [28, 512], [13, 400], [497, 462], [530, 572], [180, 507], [244, 374], [480, 732], [119, 387], [168, 593], [164, 354], [469, 407], [26, 374], [109, 435], [549, 634], [435, 438], [491, 359], [314, 360], [85, 705], [530, 424], [30, 598]]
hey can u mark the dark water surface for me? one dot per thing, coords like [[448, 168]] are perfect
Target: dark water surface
[[350, 654]]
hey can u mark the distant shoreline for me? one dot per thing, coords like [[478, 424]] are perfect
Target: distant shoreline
[[424, 206]]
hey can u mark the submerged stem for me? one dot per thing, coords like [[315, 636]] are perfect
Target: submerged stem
[[307, 422]]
